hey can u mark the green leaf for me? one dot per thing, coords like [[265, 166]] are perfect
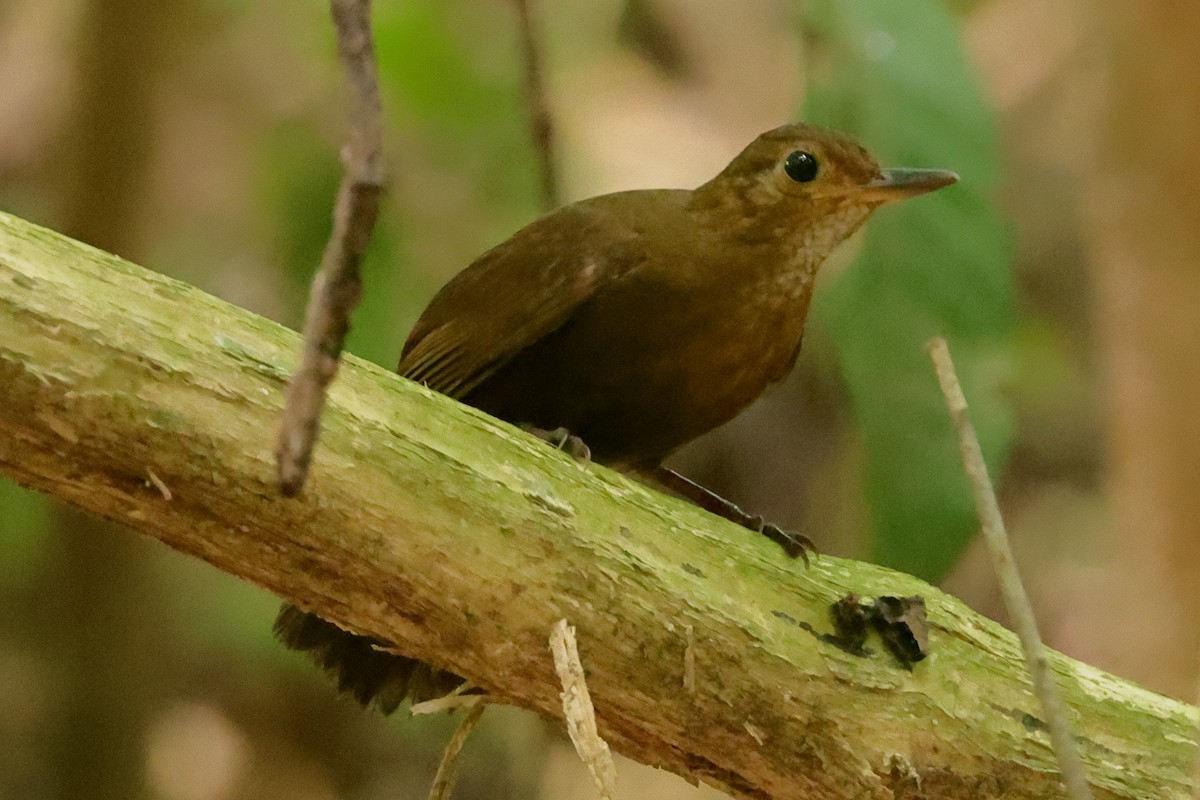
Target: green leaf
[[894, 74]]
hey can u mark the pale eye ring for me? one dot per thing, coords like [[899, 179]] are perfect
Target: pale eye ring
[[800, 166]]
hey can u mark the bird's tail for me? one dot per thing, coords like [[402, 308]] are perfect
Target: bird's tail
[[359, 664]]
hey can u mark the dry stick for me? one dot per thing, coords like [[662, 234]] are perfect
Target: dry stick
[[338, 285], [447, 772], [579, 713], [541, 125], [1015, 599], [448, 702]]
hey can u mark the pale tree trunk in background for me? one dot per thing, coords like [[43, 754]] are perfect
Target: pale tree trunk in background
[[102, 614], [1144, 216]]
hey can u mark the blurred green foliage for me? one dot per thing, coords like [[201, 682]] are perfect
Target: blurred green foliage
[[452, 98], [22, 533], [451, 70], [298, 184], [895, 75]]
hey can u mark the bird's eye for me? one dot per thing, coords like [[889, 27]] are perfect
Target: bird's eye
[[801, 167]]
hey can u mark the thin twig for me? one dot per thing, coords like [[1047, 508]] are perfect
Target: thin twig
[[449, 702], [447, 772], [579, 713], [338, 285], [1013, 591], [541, 124], [159, 484]]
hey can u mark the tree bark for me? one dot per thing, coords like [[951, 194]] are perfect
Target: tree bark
[[433, 526]]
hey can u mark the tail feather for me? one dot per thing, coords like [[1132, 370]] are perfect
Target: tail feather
[[359, 664]]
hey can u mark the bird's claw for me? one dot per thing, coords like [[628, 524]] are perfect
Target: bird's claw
[[795, 545], [562, 439]]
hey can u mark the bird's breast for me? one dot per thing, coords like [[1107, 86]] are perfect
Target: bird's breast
[[667, 352], [640, 371]]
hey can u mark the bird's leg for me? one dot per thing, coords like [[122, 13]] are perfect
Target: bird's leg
[[562, 439], [794, 544]]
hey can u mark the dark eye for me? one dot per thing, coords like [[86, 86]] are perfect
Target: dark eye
[[800, 166]]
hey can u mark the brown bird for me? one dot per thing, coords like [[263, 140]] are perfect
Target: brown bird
[[636, 322]]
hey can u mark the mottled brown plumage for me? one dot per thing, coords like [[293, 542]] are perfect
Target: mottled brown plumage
[[637, 321]]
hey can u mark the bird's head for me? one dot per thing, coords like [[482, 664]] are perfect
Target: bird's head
[[809, 186]]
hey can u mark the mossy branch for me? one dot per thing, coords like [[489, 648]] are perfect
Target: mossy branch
[[431, 525]]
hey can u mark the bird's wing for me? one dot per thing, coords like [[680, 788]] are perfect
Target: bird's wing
[[514, 295]]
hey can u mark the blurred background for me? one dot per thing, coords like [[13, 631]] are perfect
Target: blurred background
[[200, 138]]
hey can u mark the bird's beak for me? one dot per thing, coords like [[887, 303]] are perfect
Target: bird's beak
[[897, 184]]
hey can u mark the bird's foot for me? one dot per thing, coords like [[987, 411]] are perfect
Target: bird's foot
[[796, 545], [562, 439]]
